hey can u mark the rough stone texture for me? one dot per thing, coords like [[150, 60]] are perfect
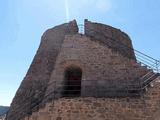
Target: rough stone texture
[[111, 37], [108, 69], [146, 107], [35, 82], [104, 72]]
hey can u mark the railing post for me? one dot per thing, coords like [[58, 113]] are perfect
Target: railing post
[[81, 28], [157, 66]]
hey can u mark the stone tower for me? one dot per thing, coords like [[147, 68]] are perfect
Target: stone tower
[[95, 76]]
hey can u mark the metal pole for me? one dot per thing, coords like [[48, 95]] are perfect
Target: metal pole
[[157, 66]]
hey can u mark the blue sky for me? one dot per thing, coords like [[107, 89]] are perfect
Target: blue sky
[[22, 23]]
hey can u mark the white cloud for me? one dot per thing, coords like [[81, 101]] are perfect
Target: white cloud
[[103, 5], [88, 8]]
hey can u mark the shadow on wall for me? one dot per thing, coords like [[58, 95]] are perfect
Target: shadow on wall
[[72, 87]]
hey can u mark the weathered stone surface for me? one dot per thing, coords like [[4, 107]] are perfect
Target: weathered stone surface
[[105, 73], [91, 108], [111, 37], [33, 86], [108, 69]]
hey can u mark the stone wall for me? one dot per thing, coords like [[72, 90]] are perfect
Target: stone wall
[[105, 66], [104, 71], [35, 82], [146, 107], [111, 37]]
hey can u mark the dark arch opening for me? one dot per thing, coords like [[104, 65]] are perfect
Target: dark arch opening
[[72, 87]]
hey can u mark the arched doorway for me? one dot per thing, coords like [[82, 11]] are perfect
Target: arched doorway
[[73, 76]]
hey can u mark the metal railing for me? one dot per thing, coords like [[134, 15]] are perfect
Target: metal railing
[[70, 90], [143, 59], [144, 81], [36, 104], [81, 28], [148, 61]]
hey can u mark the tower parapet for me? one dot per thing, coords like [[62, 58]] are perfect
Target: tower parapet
[[99, 63], [112, 37]]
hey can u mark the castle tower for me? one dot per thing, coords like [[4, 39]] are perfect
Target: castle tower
[[86, 76]]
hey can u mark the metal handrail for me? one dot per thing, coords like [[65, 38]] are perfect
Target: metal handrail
[[37, 103], [34, 104], [54, 82], [81, 28], [147, 59], [144, 59], [146, 74]]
